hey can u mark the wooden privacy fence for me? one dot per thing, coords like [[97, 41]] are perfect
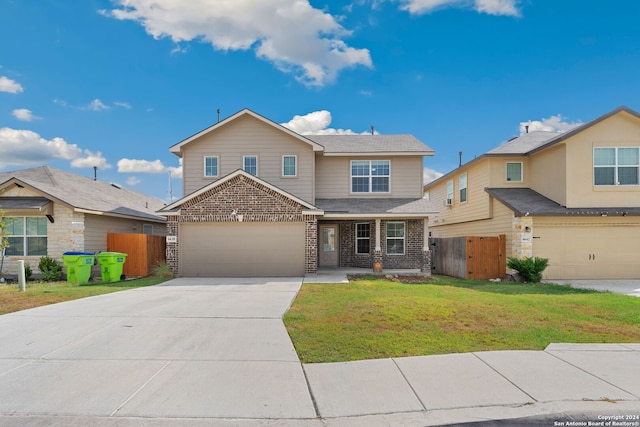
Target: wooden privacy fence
[[470, 257], [144, 251]]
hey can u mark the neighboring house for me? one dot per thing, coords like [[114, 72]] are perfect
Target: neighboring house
[[49, 211], [263, 200], [571, 197]]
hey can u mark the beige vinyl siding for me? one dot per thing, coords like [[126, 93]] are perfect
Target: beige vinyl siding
[[549, 173], [476, 207], [96, 228], [621, 130], [334, 176], [588, 247], [501, 222], [249, 136]]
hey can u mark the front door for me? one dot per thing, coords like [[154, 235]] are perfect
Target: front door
[[328, 250]]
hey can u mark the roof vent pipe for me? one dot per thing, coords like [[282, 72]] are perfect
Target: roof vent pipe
[[460, 158], [218, 111], [373, 130], [526, 129], [95, 173]]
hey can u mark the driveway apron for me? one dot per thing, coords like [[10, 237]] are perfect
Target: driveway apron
[[211, 348]]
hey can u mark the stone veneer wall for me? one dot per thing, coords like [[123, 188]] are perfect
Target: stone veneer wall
[[414, 256], [255, 202], [521, 240], [65, 234]]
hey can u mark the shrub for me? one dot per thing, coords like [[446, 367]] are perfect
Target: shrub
[[27, 271], [50, 269], [529, 268], [162, 270]]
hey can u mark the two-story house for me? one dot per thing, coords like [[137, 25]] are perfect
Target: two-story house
[[571, 197], [262, 200]]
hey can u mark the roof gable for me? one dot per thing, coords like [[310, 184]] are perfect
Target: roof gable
[[177, 148], [175, 206]]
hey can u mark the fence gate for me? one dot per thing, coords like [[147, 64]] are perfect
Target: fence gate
[[144, 251], [470, 257]]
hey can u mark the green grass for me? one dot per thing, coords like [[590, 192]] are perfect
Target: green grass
[[43, 293], [379, 318]]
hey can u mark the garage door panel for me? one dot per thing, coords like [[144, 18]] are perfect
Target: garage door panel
[[241, 249], [589, 251]]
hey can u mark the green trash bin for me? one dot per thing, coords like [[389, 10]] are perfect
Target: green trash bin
[[78, 266], [111, 264]]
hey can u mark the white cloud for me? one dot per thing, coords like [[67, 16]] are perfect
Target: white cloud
[[23, 114], [293, 35], [97, 105], [430, 175], [90, 159], [60, 102], [148, 166], [124, 105], [489, 7], [316, 123], [25, 147], [8, 85], [550, 124], [132, 180]]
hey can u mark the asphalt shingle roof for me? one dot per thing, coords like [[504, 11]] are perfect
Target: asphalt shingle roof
[[376, 206], [525, 143], [336, 144], [85, 193], [525, 202]]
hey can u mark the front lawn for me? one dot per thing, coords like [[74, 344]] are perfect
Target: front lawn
[[369, 319], [43, 293]]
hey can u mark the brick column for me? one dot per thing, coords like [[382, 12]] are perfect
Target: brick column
[[310, 244], [426, 252], [173, 248]]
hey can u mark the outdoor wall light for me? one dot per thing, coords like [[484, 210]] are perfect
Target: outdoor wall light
[[527, 229]]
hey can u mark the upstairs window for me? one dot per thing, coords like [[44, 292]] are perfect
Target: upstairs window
[[370, 176], [363, 237], [514, 171], [289, 165], [616, 166], [250, 164], [27, 236], [211, 166], [449, 200], [463, 187]]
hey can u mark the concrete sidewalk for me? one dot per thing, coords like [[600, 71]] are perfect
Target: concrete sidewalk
[[214, 352]]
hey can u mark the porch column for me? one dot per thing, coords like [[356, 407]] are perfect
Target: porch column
[[377, 253], [426, 252]]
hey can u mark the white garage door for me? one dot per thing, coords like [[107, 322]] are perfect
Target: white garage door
[[589, 251], [241, 249]]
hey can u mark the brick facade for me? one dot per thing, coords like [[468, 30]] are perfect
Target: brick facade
[[249, 198]]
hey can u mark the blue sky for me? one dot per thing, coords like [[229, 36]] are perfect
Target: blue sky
[[116, 83]]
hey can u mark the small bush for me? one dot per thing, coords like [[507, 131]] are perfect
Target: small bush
[[27, 271], [529, 268], [50, 269], [162, 270]]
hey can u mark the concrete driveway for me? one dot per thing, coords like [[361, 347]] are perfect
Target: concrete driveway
[[193, 348], [629, 287]]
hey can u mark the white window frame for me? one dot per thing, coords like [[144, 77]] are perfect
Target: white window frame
[[403, 238], [295, 159], [615, 166], [450, 192], [463, 186], [370, 177], [368, 238], [506, 171], [244, 164], [217, 166], [25, 237]]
